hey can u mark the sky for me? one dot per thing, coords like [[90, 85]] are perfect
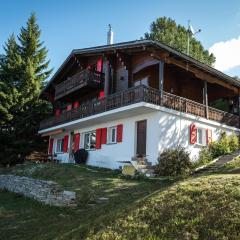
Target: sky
[[71, 24]]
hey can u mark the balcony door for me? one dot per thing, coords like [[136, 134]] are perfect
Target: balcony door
[[141, 137]]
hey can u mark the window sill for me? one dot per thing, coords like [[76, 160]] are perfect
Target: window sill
[[111, 143], [200, 145]]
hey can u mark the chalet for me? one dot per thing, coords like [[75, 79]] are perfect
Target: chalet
[[133, 99]]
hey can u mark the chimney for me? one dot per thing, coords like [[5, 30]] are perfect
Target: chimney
[[110, 35]]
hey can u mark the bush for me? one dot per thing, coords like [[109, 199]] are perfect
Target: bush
[[220, 147], [173, 162], [204, 157], [225, 145], [233, 142]]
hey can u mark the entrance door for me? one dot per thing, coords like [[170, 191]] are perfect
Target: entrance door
[[141, 137]]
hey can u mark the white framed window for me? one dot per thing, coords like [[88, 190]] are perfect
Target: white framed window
[[90, 140], [59, 146], [201, 136], [112, 135]]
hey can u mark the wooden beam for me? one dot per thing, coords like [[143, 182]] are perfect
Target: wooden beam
[[198, 73], [161, 80], [206, 98]]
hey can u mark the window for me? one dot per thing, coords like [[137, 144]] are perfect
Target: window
[[201, 136], [143, 81], [90, 140], [112, 134], [59, 148]]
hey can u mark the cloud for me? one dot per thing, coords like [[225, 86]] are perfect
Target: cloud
[[227, 54]]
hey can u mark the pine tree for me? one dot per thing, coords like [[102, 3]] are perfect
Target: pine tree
[[33, 53], [23, 71], [10, 72], [167, 31]]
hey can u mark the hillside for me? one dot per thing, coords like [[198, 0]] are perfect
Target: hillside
[[206, 207], [201, 207]]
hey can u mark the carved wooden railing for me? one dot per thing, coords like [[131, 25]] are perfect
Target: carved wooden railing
[[77, 81], [142, 94]]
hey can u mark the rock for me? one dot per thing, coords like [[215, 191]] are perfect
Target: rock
[[47, 192]]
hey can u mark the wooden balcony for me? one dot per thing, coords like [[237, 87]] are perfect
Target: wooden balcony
[[77, 81], [142, 94]]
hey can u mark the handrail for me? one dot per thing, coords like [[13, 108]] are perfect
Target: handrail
[[142, 93], [79, 80]]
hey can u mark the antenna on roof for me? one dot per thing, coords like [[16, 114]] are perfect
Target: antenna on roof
[[109, 35], [191, 33]]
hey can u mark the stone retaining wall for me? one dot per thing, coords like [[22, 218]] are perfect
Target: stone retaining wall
[[47, 192]]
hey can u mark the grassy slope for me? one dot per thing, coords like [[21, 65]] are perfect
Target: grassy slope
[[207, 207], [203, 207], [22, 218]]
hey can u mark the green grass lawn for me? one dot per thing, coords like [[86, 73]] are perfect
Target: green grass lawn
[[202, 207], [23, 218]]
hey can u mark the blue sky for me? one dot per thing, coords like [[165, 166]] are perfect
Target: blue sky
[[76, 24]]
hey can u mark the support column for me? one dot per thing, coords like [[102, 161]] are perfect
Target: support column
[[205, 98], [107, 77], [161, 80]]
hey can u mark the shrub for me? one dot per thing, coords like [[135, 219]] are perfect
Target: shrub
[[225, 145], [173, 162], [233, 142], [204, 157], [220, 147]]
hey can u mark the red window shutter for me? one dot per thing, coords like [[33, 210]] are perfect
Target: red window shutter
[[193, 133], [76, 104], [99, 65], [65, 144], [50, 148], [104, 136], [98, 138], [119, 132], [57, 112], [101, 95], [69, 107], [76, 141], [209, 136]]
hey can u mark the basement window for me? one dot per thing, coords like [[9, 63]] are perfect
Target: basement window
[[112, 135], [90, 140], [59, 146]]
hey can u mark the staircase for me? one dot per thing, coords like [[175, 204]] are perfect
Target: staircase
[[216, 164], [142, 166]]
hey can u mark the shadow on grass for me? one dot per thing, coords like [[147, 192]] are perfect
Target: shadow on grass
[[102, 196]]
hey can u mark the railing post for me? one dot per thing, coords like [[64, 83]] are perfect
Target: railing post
[[206, 99], [161, 79]]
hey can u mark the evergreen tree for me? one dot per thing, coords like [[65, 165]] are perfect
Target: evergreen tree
[[33, 53], [22, 72], [166, 30], [10, 66]]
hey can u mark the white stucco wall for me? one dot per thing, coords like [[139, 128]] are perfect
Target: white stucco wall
[[165, 129]]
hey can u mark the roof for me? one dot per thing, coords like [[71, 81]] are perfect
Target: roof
[[142, 43]]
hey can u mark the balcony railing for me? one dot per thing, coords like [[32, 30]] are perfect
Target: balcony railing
[[77, 81], [142, 94]]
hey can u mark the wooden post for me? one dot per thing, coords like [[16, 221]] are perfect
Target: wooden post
[[129, 68], [205, 99], [161, 80], [107, 77]]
